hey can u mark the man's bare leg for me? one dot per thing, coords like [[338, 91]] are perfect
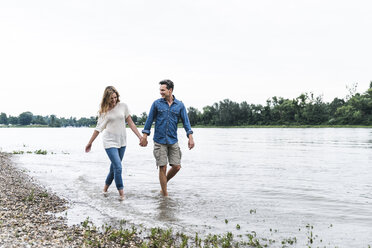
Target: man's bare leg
[[163, 179], [173, 171]]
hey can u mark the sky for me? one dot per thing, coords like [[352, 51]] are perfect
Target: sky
[[56, 57]]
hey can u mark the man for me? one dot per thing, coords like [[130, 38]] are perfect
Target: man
[[166, 112]]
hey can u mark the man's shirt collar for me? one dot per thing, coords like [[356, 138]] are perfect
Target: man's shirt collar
[[175, 101]]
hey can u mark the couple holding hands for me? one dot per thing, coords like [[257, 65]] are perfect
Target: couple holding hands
[[165, 111]]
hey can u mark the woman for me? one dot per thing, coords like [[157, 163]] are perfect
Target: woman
[[112, 117]]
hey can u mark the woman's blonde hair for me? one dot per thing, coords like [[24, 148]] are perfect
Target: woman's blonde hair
[[105, 103]]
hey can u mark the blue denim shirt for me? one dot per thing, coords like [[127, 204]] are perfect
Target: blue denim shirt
[[166, 119]]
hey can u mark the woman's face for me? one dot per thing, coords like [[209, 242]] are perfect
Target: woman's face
[[113, 99]]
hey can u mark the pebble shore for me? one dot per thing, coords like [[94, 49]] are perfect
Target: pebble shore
[[28, 216]]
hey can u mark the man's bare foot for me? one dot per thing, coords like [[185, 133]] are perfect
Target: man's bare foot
[[121, 198], [161, 192]]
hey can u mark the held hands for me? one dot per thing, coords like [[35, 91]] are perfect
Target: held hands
[[143, 141]]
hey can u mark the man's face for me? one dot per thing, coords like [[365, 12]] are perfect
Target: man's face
[[164, 92]]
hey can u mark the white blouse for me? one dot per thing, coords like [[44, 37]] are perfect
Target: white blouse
[[113, 121]]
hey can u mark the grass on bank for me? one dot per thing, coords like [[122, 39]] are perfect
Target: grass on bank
[[38, 152], [158, 237]]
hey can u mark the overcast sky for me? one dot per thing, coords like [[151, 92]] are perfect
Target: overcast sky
[[56, 57]]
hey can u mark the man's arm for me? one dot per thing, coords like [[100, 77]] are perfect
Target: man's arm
[[147, 128], [187, 127]]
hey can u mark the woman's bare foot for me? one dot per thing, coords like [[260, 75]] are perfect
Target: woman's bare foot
[[105, 188], [121, 194]]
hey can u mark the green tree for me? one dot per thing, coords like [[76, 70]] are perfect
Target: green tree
[[347, 115], [3, 119], [315, 111], [71, 122], [87, 122], [334, 105], [288, 111], [209, 115], [194, 116], [357, 109], [54, 121], [267, 112], [25, 118], [142, 119], [13, 120], [135, 119], [93, 121], [257, 118], [245, 113], [38, 120], [229, 112]]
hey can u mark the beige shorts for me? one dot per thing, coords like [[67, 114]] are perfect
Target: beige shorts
[[165, 153]]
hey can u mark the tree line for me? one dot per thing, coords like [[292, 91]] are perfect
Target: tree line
[[27, 118], [306, 109]]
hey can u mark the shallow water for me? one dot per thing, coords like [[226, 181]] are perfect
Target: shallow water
[[271, 181]]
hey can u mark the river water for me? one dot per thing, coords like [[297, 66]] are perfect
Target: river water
[[278, 183]]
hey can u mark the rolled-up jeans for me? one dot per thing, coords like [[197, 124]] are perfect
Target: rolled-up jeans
[[116, 156]]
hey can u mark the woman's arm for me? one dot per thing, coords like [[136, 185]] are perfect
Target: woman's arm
[[133, 127], [88, 147]]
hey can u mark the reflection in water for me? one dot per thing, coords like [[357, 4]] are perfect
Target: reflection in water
[[167, 209]]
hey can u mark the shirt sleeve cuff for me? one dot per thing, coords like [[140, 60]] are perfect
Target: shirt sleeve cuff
[[146, 131], [189, 132]]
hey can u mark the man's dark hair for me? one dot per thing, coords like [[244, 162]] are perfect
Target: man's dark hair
[[168, 83]]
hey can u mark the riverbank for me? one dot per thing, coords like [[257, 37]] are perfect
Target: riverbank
[[28, 216]]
